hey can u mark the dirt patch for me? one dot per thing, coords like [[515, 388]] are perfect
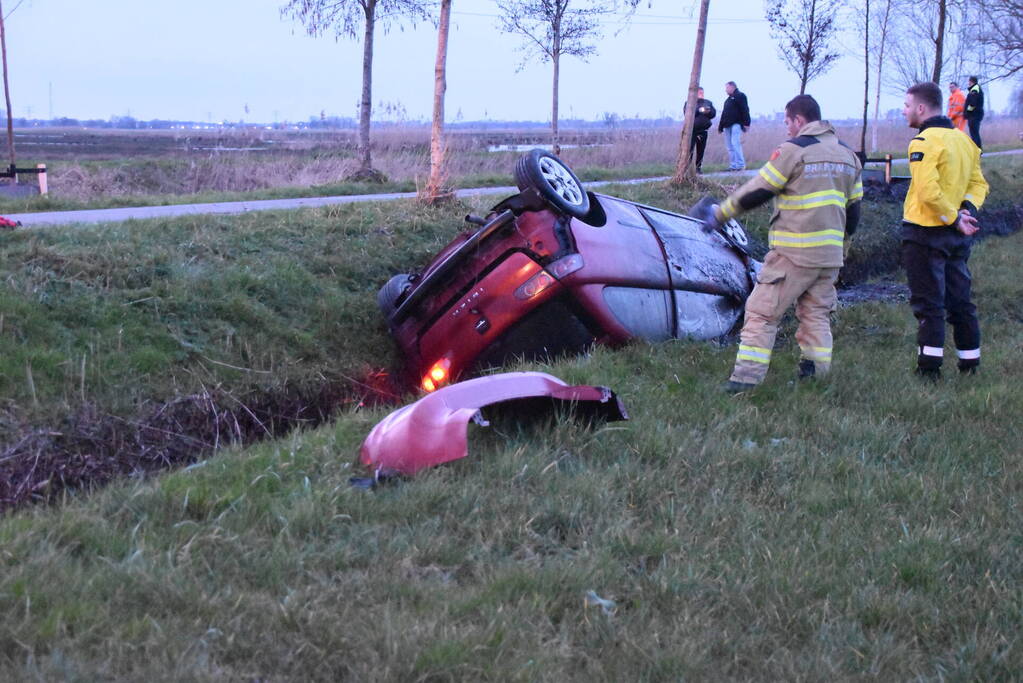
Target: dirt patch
[[886, 290], [91, 448]]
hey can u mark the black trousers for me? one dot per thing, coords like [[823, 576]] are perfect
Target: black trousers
[[939, 287], [974, 126], [699, 142]]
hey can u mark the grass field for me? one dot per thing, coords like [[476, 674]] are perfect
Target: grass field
[[102, 169], [865, 526]]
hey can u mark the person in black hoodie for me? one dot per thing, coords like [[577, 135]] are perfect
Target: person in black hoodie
[[974, 109], [705, 113], [733, 123]]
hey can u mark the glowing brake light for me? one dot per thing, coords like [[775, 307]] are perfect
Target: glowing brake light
[[436, 375]]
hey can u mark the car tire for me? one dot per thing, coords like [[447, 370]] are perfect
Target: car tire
[[736, 234], [554, 181], [387, 297]]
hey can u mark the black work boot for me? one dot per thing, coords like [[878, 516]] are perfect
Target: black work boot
[[971, 369], [928, 374], [807, 369], [732, 387]]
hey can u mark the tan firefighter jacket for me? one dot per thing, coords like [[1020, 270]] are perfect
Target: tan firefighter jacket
[[816, 182]]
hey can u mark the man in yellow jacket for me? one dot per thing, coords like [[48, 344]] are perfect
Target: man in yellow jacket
[[938, 224], [816, 180]]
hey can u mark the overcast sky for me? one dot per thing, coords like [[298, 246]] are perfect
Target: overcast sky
[[212, 60]]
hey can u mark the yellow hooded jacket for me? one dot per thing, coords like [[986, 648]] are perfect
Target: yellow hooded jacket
[[944, 165]]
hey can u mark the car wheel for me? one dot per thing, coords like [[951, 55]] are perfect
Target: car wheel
[[554, 181], [735, 233], [387, 297]]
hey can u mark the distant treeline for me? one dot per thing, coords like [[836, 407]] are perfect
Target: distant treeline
[[607, 121]]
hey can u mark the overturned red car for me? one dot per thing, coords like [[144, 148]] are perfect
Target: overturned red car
[[554, 269]]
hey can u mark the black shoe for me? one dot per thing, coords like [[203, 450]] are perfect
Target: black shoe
[[731, 387], [807, 369], [968, 370], [928, 374]]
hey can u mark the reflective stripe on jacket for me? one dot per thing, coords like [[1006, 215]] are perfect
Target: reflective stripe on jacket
[[975, 103], [814, 178], [944, 165]]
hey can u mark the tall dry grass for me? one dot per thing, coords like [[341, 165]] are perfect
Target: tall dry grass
[[205, 165]]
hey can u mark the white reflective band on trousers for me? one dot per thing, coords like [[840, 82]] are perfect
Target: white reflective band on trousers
[[933, 351], [968, 354]]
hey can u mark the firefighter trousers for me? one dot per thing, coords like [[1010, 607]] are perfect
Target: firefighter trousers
[[939, 291], [781, 283]]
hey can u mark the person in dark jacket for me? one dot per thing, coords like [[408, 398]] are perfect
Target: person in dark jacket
[[705, 113], [733, 123], [974, 109]]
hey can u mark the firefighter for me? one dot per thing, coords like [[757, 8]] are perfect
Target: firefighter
[[816, 180], [957, 106], [938, 222]]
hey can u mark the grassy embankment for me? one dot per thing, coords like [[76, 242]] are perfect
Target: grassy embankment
[[865, 525], [106, 177]]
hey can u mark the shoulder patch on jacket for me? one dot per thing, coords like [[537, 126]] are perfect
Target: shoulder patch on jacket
[[775, 154], [804, 140], [916, 156]]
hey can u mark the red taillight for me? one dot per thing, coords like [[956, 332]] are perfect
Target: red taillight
[[544, 279], [436, 375], [535, 285], [565, 266]]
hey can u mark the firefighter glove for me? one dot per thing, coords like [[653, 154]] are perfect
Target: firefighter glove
[[708, 217]]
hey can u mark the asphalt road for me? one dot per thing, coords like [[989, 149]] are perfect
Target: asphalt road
[[90, 216]]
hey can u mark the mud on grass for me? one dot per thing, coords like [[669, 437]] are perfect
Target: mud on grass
[[92, 448]]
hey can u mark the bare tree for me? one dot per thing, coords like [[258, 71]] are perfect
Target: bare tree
[[1000, 31], [882, 26], [866, 75], [436, 189], [685, 167], [345, 18], [7, 91], [805, 30], [553, 28], [935, 37]]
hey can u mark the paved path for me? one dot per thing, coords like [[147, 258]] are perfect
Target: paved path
[[30, 220]]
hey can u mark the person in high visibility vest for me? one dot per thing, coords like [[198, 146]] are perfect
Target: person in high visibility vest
[[974, 109], [957, 106], [815, 181], [946, 190]]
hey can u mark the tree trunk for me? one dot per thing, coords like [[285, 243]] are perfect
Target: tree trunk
[[808, 57], [939, 41], [866, 78], [685, 167], [435, 189], [882, 43], [366, 106], [555, 144], [7, 92]]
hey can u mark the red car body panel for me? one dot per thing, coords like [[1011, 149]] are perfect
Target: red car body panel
[[433, 430], [491, 303]]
